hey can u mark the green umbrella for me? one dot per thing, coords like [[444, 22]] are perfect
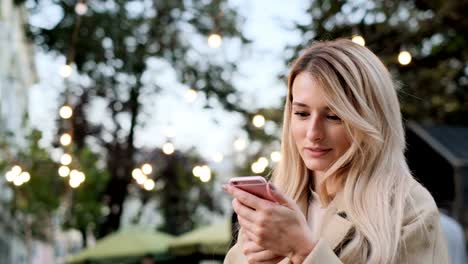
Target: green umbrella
[[129, 242], [208, 240]]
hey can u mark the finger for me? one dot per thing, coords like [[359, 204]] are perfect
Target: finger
[[265, 256], [246, 198], [278, 196], [242, 210], [247, 225], [252, 247]]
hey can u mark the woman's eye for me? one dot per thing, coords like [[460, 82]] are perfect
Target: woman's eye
[[333, 117], [301, 114]]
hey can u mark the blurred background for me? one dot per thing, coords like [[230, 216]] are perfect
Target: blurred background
[[121, 120]]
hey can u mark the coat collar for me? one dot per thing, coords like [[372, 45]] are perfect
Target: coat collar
[[336, 229]]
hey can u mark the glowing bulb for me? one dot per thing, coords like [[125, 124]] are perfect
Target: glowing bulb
[[16, 170], [63, 171], [74, 183], [197, 171], [65, 139], [404, 58], [191, 95], [10, 176], [240, 144], [258, 121], [66, 159], [358, 40], [206, 171], [275, 156], [263, 162], [141, 179], [147, 169], [65, 71], [66, 112], [25, 176], [218, 157], [137, 173], [81, 8], [205, 177], [257, 168], [215, 40], [18, 181], [168, 148], [149, 185]]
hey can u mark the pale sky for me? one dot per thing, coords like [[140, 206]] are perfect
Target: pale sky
[[266, 23]]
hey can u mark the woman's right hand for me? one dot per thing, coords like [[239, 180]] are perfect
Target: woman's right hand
[[256, 254]]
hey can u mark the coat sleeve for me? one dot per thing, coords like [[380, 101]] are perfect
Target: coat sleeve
[[423, 241]]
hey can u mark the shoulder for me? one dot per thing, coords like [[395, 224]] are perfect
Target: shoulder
[[419, 204]]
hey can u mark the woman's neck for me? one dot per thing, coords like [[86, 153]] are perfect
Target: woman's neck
[[331, 187]]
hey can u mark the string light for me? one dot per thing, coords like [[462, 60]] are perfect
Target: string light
[[240, 144], [17, 181], [168, 148], [10, 176], [65, 71], [66, 159], [197, 171], [149, 185], [218, 157], [141, 179], [16, 170], [81, 8], [215, 40], [263, 162], [137, 173], [65, 139], [63, 171], [191, 95], [147, 169], [404, 58], [257, 168], [275, 156], [358, 40], [24, 176], [74, 183], [258, 121], [205, 175], [66, 112]]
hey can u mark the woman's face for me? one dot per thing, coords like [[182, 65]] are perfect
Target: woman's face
[[320, 136]]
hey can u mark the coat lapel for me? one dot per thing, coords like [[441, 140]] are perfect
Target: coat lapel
[[336, 229]]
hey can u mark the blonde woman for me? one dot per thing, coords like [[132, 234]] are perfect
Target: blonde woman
[[344, 193]]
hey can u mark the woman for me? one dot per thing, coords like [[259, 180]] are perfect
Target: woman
[[344, 193]]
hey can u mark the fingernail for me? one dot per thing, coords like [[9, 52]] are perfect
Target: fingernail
[[273, 188]]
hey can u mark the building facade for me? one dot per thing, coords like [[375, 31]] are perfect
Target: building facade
[[16, 77]]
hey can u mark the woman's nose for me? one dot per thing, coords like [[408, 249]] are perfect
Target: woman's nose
[[315, 129]]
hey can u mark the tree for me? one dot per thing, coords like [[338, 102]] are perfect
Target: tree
[[112, 47], [435, 83]]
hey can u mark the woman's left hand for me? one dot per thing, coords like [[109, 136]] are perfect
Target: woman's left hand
[[279, 227]]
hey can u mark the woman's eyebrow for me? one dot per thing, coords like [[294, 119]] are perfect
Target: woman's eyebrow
[[300, 104]]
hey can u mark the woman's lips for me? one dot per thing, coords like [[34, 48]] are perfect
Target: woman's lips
[[316, 152]]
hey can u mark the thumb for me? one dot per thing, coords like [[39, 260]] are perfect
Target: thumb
[[277, 196]]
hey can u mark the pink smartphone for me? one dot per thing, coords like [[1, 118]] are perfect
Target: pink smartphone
[[255, 185]]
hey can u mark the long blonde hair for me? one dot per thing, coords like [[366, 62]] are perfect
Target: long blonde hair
[[373, 172]]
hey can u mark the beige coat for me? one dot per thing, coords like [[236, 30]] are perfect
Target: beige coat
[[336, 228]]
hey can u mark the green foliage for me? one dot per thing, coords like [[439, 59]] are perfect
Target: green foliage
[[34, 202], [113, 45], [86, 200]]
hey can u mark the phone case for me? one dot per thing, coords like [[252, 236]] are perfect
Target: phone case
[[255, 185]]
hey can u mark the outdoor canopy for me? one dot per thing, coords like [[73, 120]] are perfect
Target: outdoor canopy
[[129, 242], [208, 240]]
